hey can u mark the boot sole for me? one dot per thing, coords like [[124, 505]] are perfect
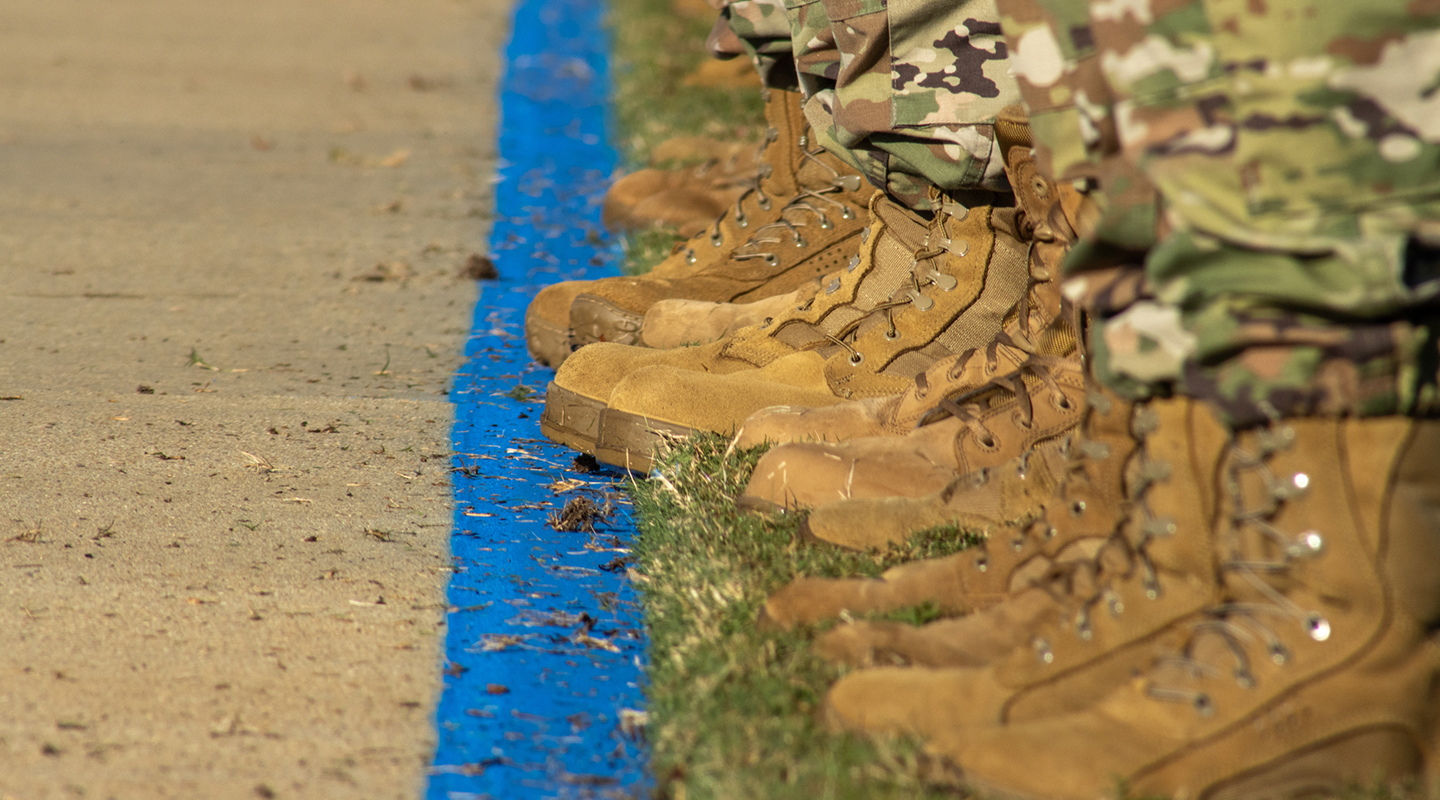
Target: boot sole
[[547, 342], [594, 319], [571, 419], [632, 441]]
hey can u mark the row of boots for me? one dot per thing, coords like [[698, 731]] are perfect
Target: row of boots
[[1158, 602]]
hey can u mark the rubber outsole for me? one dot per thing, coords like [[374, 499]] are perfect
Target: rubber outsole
[[595, 319], [571, 419], [633, 441]]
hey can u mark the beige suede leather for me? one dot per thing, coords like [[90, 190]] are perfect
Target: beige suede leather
[[679, 323], [1315, 671], [883, 263], [1001, 421], [1032, 509], [1041, 327], [549, 312], [919, 305], [796, 225]]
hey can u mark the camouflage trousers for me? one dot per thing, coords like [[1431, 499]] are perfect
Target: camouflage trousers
[[1265, 174], [906, 91], [1272, 170]]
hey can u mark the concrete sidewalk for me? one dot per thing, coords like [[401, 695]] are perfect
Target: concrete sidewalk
[[229, 235]]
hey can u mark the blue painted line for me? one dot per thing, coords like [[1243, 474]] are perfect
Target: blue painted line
[[545, 636]]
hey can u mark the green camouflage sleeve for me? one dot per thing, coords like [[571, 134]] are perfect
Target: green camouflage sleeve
[[1294, 148], [764, 31], [906, 90]]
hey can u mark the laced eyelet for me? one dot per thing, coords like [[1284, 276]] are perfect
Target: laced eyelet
[[856, 358], [764, 203], [825, 223], [847, 214], [800, 242], [690, 255], [891, 336], [1077, 508]]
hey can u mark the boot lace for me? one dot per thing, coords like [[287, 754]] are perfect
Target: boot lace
[[809, 202], [1239, 626], [1086, 585]]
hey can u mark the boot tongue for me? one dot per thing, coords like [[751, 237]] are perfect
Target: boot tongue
[[901, 232]]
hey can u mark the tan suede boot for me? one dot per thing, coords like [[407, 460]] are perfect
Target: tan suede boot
[[1315, 672], [547, 320], [980, 429], [884, 282], [1066, 497], [1272, 545], [801, 223], [1039, 326], [949, 299], [689, 197]]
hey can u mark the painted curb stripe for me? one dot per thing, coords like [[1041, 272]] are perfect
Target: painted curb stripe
[[545, 638]]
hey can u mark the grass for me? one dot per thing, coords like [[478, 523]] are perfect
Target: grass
[[653, 104], [733, 708]]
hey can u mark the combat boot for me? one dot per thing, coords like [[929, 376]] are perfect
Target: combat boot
[[1315, 672], [687, 198], [1038, 326], [952, 295], [835, 193], [967, 278], [1069, 494], [978, 429]]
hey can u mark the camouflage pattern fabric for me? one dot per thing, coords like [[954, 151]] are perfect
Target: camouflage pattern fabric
[[1279, 161], [764, 32], [906, 90]]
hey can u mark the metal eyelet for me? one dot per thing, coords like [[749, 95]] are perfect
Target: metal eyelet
[[800, 242], [945, 282], [690, 255], [764, 203], [864, 234], [1077, 508], [854, 262], [833, 287], [856, 358], [847, 214], [892, 335], [921, 301], [825, 223]]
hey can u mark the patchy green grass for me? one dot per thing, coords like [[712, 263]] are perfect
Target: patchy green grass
[[644, 249], [733, 708], [655, 48]]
